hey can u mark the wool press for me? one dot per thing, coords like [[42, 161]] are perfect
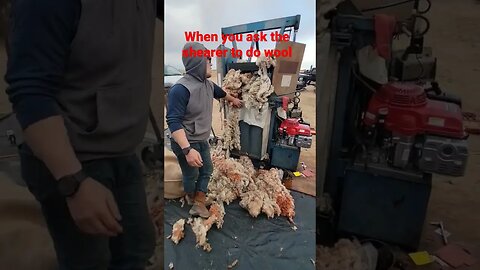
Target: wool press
[[273, 135]]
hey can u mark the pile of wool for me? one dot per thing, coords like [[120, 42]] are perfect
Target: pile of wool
[[267, 194], [345, 255], [234, 81], [201, 226], [258, 191], [257, 92], [230, 177], [253, 88]]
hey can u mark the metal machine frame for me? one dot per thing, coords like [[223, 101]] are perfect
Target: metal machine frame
[[285, 24]]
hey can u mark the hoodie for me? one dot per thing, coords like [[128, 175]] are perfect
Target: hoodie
[[197, 119]]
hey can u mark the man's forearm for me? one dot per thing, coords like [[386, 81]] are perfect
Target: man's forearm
[[49, 141], [180, 138]]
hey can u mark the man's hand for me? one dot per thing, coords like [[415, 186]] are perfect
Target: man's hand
[[237, 103], [94, 210], [194, 158]]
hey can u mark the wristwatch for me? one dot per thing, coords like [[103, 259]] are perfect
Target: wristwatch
[[68, 185], [186, 150]]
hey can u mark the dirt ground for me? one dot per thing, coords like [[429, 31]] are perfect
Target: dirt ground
[[455, 38]]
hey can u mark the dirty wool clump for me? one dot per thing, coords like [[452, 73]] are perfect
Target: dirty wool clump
[[177, 231], [253, 89], [230, 177], [264, 88], [232, 129], [346, 255], [201, 226], [259, 191]]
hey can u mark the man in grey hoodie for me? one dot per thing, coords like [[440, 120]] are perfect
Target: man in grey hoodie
[[189, 118]]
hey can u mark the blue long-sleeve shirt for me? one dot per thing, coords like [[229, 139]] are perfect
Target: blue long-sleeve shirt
[[39, 44], [178, 97]]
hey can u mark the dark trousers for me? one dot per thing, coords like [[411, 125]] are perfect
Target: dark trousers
[[78, 250], [195, 179]]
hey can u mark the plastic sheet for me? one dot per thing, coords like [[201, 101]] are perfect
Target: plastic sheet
[[257, 243]]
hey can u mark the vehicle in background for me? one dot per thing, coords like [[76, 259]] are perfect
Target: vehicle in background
[[306, 77], [171, 75]]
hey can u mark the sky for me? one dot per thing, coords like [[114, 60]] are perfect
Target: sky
[[209, 16]]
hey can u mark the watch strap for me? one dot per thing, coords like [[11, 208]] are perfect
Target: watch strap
[[76, 179], [186, 150], [78, 176]]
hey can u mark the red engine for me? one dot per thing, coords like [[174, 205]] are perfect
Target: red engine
[[293, 132], [407, 111], [416, 130], [293, 127]]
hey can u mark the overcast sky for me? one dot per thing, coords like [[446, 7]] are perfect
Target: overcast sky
[[209, 16]]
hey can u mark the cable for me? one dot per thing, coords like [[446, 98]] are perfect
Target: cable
[[387, 6], [400, 3], [421, 65], [427, 27], [362, 80], [427, 9]]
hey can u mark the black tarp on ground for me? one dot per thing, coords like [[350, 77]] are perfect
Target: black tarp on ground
[[257, 243]]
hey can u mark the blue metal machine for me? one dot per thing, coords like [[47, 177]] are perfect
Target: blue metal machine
[[285, 24], [371, 196], [370, 201], [279, 155]]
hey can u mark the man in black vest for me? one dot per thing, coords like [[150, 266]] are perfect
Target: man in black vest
[[79, 75]]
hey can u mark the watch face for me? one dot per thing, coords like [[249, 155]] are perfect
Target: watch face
[[68, 186], [186, 150]]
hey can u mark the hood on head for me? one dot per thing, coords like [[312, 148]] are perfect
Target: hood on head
[[195, 66]]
